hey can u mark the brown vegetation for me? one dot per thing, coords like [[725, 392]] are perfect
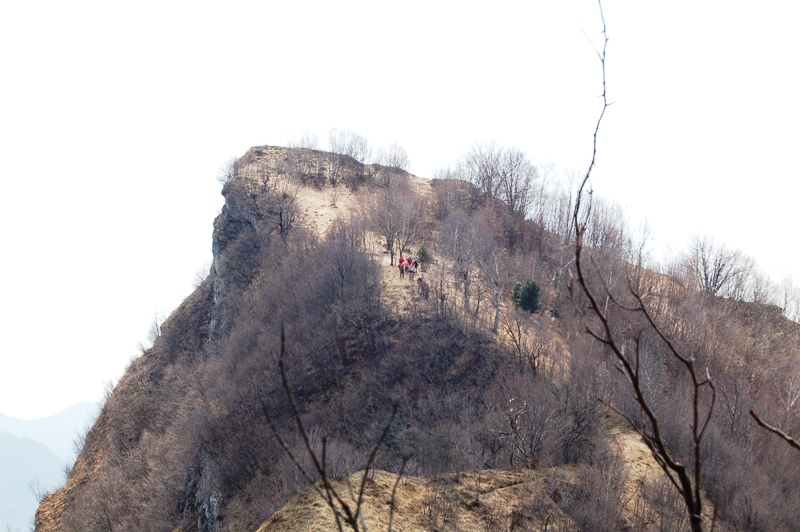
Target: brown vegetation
[[501, 414]]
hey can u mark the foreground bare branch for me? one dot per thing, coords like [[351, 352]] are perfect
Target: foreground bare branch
[[686, 484], [785, 437], [342, 511]]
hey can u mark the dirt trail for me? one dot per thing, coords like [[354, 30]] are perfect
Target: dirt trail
[[319, 213]]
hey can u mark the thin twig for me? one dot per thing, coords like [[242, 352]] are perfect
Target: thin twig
[[394, 493], [374, 453]]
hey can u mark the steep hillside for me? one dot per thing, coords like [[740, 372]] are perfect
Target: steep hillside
[[494, 399]]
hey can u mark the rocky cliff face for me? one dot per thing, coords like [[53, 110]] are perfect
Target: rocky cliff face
[[161, 389]]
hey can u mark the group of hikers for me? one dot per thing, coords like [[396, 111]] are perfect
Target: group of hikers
[[410, 266]]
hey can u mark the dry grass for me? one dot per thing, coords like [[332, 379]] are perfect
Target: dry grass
[[318, 214], [469, 502], [474, 501]]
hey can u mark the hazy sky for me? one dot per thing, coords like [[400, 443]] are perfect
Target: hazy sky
[[114, 118]]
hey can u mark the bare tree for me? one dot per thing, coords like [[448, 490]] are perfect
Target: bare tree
[[502, 173], [525, 424], [529, 348], [627, 351], [789, 299], [228, 170], [154, 332], [641, 246], [557, 215], [735, 386], [347, 153], [395, 156], [413, 218], [347, 234], [308, 166], [278, 204], [607, 235], [557, 220], [490, 260], [713, 269], [398, 214], [392, 164], [517, 176], [306, 139], [756, 287], [457, 242], [38, 491], [350, 144], [384, 214], [479, 167]]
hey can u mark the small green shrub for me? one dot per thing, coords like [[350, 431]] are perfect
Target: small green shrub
[[526, 295], [424, 256]]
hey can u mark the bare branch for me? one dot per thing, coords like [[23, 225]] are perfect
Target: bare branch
[[678, 474], [785, 437], [394, 493], [341, 510]]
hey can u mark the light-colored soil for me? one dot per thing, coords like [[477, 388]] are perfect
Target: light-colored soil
[[320, 207], [319, 213], [638, 458]]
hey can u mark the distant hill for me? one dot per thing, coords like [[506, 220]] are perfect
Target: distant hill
[[23, 460], [57, 432]]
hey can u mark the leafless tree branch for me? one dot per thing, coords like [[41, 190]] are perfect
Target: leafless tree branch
[[785, 437], [678, 473], [342, 511]]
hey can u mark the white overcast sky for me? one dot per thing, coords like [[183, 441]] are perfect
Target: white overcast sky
[[114, 118]]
